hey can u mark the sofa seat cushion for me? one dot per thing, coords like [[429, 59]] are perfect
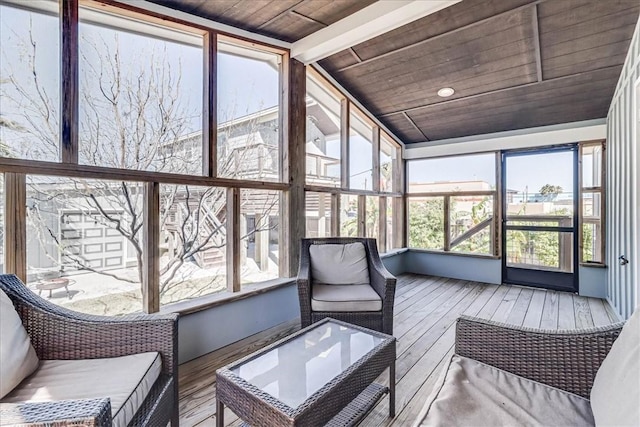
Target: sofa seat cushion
[[18, 358], [473, 393], [344, 298], [125, 380], [339, 264]]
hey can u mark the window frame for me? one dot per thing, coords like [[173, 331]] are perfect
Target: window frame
[[496, 244], [395, 194], [67, 165], [599, 189]]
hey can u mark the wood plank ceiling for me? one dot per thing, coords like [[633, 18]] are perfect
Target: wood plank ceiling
[[513, 63], [287, 20]]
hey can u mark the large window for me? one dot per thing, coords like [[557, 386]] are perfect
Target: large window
[[452, 174], [162, 128], [248, 113], [360, 151], [259, 245], [30, 80], [364, 200], [323, 146], [389, 155], [318, 214], [193, 242], [592, 162], [372, 222], [85, 243], [451, 204], [140, 95], [350, 224], [426, 222]]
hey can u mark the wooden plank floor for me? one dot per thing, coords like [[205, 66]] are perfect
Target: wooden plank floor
[[426, 308]]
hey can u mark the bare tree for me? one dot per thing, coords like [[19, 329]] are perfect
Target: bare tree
[[132, 117]]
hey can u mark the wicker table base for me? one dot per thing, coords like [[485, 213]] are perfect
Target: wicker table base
[[304, 388]]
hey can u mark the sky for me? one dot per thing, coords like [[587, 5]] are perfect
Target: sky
[[244, 85]]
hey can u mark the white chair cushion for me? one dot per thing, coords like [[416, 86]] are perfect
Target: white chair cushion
[[18, 359], [125, 380], [339, 264], [344, 298], [470, 393], [615, 395]]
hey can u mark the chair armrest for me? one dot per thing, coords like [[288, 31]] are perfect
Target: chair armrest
[[303, 282], [59, 333], [381, 280], [84, 412], [567, 360], [384, 283]]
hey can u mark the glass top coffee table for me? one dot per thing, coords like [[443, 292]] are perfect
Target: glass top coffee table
[[323, 374]]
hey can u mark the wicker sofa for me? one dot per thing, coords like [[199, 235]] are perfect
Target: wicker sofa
[[91, 370], [371, 309], [506, 375]]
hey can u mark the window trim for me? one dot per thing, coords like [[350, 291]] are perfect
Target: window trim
[[16, 170], [601, 189], [496, 240]]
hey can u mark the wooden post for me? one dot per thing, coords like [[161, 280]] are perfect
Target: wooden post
[[580, 212], [209, 108], [233, 239], [151, 252], [362, 216], [262, 241], [322, 211], [69, 82], [15, 225], [398, 173], [400, 222], [498, 200], [447, 223], [382, 224], [292, 202], [335, 215], [375, 148], [345, 121]]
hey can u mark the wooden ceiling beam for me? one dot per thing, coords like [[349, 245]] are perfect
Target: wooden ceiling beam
[[446, 33], [375, 19], [415, 126], [355, 55], [281, 14], [492, 92], [536, 40], [307, 18]]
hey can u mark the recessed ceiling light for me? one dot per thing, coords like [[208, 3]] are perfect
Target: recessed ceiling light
[[446, 91]]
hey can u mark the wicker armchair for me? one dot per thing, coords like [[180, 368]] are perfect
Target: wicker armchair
[[566, 360], [60, 334], [380, 280]]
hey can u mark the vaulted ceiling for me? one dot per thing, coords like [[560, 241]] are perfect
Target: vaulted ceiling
[[513, 63], [287, 20]]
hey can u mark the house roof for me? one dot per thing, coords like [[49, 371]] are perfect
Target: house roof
[[513, 64]]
